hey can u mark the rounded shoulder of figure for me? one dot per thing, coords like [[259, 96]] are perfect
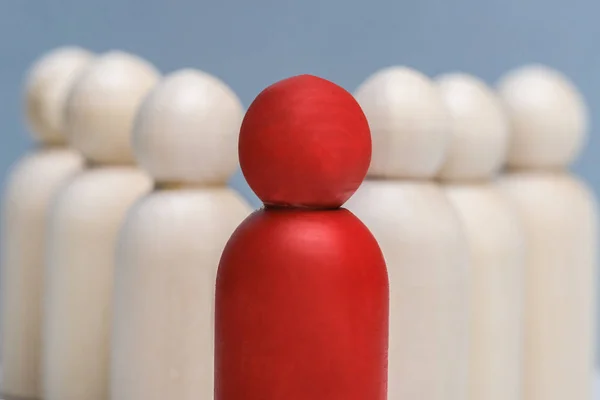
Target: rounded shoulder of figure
[[40, 172], [105, 178], [44, 162], [184, 219], [400, 201], [302, 234], [92, 189], [544, 184], [486, 214], [553, 194], [581, 193], [200, 204], [473, 198]]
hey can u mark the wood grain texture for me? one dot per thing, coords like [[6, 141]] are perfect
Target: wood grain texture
[[163, 331], [560, 220], [497, 262], [80, 270], [426, 256], [549, 122], [33, 183], [479, 139]]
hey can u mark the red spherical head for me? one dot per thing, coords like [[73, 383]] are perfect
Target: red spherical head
[[305, 142]]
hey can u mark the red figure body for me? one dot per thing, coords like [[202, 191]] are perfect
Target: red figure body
[[302, 293]]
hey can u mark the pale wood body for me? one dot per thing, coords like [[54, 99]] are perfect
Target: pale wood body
[[560, 219], [32, 185], [185, 136], [80, 267], [497, 260], [479, 139], [169, 250], [426, 255]]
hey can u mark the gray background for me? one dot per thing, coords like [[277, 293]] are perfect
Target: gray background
[[253, 43]]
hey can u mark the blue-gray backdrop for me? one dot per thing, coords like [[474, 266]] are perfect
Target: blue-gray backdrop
[[253, 43]]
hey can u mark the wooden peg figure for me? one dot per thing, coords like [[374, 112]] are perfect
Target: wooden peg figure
[[84, 224], [32, 184], [420, 235], [549, 122], [185, 137], [479, 137], [302, 289]]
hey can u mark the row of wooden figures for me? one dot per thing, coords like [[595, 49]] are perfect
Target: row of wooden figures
[[491, 270]]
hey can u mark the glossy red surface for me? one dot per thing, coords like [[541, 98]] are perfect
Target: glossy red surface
[[305, 142], [301, 309]]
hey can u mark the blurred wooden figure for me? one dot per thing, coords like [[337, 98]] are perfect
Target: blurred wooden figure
[[186, 138], [85, 221], [420, 235], [478, 145], [549, 122], [32, 186]]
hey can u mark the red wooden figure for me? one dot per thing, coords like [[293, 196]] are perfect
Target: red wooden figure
[[302, 288]]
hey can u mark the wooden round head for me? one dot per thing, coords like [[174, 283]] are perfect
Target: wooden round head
[[304, 142], [478, 129], [548, 118], [101, 107], [187, 130], [47, 85], [408, 123]]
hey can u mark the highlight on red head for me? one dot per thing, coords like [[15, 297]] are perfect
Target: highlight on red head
[[304, 142]]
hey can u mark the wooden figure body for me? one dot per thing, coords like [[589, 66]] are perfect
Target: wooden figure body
[[169, 248], [85, 220], [420, 236], [302, 290], [478, 145], [559, 213], [32, 185]]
